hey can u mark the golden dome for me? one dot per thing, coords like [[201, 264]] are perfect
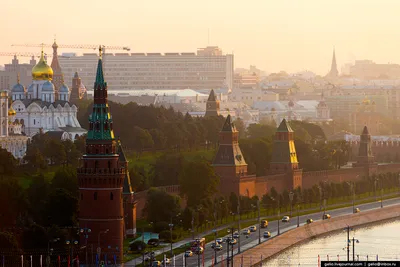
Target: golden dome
[[42, 71], [12, 112]]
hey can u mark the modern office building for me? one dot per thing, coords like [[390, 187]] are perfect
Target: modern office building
[[208, 69]]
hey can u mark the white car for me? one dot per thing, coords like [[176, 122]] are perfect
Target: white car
[[188, 253], [219, 240], [235, 235], [253, 228], [246, 232], [285, 219], [167, 261]]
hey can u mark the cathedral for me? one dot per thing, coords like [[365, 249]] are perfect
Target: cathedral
[[45, 105], [11, 137]]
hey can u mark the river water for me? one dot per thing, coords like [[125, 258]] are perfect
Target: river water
[[378, 240]]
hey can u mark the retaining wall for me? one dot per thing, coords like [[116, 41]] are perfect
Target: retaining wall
[[304, 233]]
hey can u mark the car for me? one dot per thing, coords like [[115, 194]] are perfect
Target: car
[[199, 250], [156, 263], [326, 216], [188, 253], [219, 240], [167, 261], [264, 224], [267, 234], [233, 242], [213, 245], [285, 219], [253, 228], [356, 210], [309, 221], [235, 235], [153, 242], [245, 232], [218, 247]]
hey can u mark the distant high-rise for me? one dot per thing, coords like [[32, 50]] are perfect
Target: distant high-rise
[[207, 69], [333, 73]]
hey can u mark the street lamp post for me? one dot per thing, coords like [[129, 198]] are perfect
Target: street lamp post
[[291, 195], [171, 225], [298, 217], [98, 241], [259, 222], [86, 232], [48, 250], [381, 194], [354, 241], [71, 248]]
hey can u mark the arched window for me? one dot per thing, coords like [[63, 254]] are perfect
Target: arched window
[[111, 196], [95, 196], [106, 126]]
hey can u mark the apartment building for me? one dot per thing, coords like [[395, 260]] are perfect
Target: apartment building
[[206, 69]]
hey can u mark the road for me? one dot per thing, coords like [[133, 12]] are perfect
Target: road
[[252, 240]]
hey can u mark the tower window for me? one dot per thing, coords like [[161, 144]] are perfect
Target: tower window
[[111, 196], [95, 196]]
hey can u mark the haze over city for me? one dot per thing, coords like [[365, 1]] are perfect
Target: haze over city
[[273, 35]]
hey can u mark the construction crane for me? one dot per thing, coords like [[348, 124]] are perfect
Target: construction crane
[[21, 54], [94, 47]]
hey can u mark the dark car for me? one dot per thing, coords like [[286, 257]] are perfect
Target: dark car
[[326, 216], [309, 221], [153, 242]]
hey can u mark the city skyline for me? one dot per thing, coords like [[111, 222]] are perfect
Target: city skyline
[[274, 36]]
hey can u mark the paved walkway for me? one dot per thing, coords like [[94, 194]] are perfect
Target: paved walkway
[[178, 244]]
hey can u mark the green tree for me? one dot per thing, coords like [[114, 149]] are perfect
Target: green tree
[[257, 131], [167, 168], [55, 151], [7, 163], [65, 178], [62, 208], [72, 154], [241, 127], [161, 206], [35, 158], [198, 181]]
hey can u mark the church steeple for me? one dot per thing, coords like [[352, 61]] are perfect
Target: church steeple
[[333, 73], [55, 65]]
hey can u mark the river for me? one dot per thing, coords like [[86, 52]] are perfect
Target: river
[[378, 240]]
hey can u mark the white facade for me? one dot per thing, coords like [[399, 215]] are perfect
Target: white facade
[[11, 137]]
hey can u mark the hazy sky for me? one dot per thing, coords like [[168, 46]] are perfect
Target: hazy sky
[[274, 35]]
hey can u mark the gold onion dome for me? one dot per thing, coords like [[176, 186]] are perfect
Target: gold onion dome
[[11, 112], [42, 71]]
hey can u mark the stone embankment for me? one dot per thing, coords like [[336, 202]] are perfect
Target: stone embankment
[[293, 237]]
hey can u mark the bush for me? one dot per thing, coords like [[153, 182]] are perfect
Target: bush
[[160, 226], [166, 236], [138, 245]]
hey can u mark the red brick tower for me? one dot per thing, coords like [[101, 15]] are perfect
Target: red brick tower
[[229, 162], [101, 179], [365, 156], [284, 157], [76, 84]]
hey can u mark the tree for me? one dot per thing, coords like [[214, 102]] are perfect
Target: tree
[[72, 154], [65, 178], [167, 168], [13, 197], [7, 162], [55, 151], [62, 208], [198, 181], [257, 131], [35, 158], [142, 139], [139, 178], [239, 124], [80, 143], [161, 206], [37, 195]]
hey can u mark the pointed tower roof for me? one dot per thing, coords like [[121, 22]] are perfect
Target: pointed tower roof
[[127, 188], [55, 64], [100, 74], [228, 125], [284, 127], [334, 71], [211, 97], [365, 131]]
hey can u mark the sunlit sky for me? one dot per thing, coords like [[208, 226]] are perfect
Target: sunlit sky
[[274, 35]]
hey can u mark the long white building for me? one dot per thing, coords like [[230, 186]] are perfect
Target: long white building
[[207, 69]]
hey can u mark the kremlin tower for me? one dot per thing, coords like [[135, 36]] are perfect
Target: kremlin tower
[[101, 180]]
